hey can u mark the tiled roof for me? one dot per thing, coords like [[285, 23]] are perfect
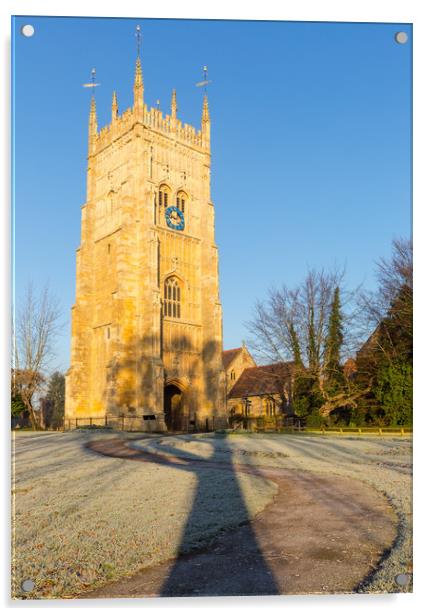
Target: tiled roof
[[268, 379], [350, 366], [229, 356]]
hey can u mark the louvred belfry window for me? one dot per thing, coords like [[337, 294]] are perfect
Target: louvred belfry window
[[172, 298], [164, 196], [181, 201]]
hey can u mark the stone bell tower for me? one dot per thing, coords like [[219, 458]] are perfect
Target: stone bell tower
[[147, 322]]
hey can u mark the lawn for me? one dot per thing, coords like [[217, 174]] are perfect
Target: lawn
[[384, 462], [82, 520]]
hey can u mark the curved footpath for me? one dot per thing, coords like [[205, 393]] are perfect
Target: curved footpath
[[320, 534]]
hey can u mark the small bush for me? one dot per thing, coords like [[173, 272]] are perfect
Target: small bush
[[315, 420]]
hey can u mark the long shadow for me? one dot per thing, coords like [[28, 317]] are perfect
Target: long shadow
[[244, 571], [233, 562], [221, 571]]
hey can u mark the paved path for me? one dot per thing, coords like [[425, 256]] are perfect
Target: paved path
[[320, 534]]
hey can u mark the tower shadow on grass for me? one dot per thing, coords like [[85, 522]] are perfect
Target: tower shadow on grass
[[233, 563]]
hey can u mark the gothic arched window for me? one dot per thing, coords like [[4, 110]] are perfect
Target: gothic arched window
[[172, 298], [164, 193], [269, 406], [181, 200]]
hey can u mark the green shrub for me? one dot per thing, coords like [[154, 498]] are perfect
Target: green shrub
[[394, 392], [315, 420]]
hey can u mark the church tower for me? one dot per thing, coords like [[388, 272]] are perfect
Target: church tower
[[147, 322]]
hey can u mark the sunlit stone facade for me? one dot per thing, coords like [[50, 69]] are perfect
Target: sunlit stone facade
[[147, 322]]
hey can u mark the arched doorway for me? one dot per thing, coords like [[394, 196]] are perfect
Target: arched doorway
[[173, 408]]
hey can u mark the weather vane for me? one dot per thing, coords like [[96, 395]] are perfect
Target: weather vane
[[138, 39], [93, 83], [205, 81]]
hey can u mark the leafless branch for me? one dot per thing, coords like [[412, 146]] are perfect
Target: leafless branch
[[34, 330]]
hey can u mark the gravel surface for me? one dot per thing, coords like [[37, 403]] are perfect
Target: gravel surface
[[383, 462], [81, 520]]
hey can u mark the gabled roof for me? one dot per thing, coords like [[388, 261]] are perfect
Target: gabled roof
[[229, 355], [350, 367], [259, 380]]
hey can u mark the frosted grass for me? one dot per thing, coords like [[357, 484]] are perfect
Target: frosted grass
[[81, 520], [385, 463]]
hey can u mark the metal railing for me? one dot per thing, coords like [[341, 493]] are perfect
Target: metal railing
[[149, 423], [138, 423]]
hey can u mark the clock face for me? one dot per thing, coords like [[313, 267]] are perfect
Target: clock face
[[174, 218]]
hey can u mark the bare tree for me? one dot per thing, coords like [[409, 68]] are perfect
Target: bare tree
[[293, 325], [34, 329], [387, 312]]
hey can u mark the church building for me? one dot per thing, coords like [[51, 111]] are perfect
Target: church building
[[257, 393], [147, 321]]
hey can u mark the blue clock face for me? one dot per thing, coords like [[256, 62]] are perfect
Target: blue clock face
[[174, 218]]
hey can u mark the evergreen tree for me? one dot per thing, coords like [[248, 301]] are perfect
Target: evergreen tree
[[18, 407], [387, 356], [56, 399], [394, 392], [294, 342], [307, 399], [334, 340], [312, 350]]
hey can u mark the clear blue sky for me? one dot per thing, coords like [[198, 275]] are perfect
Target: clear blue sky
[[311, 143]]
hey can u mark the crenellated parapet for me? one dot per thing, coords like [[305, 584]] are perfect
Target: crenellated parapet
[[171, 125], [154, 119]]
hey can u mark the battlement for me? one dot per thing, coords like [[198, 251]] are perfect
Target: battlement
[[154, 119], [151, 118]]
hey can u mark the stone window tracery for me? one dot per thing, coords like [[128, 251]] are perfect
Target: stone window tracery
[[172, 298], [270, 407]]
